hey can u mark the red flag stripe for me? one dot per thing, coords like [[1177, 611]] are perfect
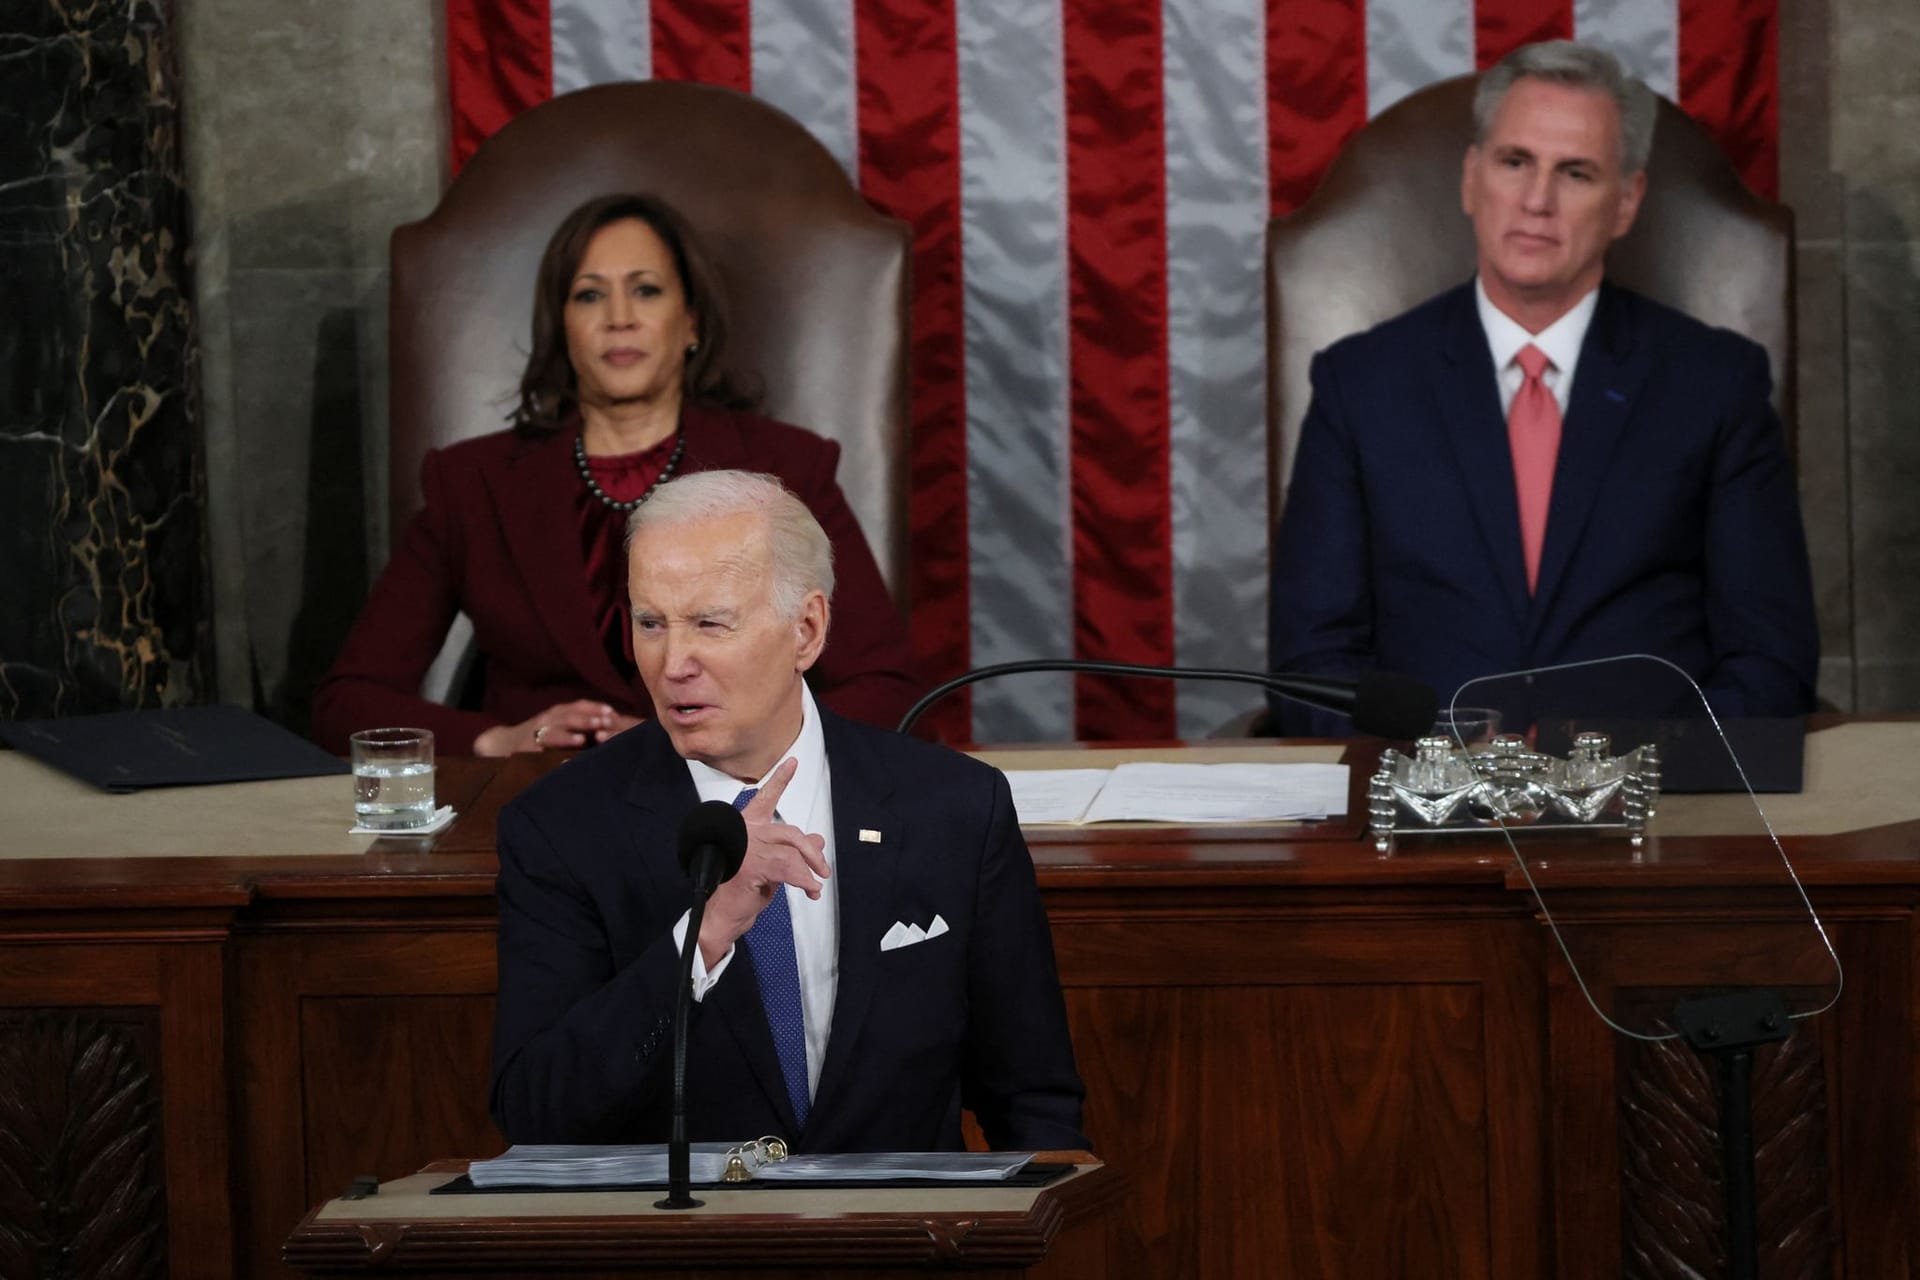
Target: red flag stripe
[[1316, 91], [1729, 80], [908, 71], [1117, 300], [705, 40], [1501, 26], [499, 63]]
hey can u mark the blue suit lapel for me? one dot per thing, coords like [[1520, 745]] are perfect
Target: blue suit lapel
[[1605, 384], [1469, 397], [865, 871], [663, 793]]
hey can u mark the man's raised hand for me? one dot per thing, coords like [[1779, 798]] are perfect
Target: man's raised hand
[[778, 854]]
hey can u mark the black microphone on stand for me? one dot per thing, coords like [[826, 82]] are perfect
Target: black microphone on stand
[[713, 841], [1381, 704]]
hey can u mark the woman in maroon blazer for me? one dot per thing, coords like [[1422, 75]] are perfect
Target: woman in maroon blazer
[[522, 529]]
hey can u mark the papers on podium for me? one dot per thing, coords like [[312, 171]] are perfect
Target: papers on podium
[[1147, 792], [587, 1166], [889, 1166]]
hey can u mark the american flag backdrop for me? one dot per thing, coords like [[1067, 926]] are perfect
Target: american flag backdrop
[[1089, 183]]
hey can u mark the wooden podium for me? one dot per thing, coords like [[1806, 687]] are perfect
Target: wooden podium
[[792, 1230]]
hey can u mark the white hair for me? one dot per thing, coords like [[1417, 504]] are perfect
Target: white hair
[[1579, 66], [798, 550]]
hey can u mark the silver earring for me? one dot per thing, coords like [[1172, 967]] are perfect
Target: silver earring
[[693, 349]]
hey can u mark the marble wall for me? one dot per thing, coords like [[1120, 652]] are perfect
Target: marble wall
[[314, 128], [103, 568], [1874, 86], [1850, 168]]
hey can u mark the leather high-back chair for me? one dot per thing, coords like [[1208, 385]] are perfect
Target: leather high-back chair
[[816, 281], [1384, 231]]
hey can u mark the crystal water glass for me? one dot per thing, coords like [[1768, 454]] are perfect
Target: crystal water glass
[[393, 778]]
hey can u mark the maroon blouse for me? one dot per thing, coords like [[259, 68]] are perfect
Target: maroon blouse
[[603, 532]]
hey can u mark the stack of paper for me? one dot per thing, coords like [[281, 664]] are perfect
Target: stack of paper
[[1148, 792], [884, 1166], [580, 1166], [527, 1165]]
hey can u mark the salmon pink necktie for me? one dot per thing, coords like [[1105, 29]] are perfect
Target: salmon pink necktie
[[1533, 433]]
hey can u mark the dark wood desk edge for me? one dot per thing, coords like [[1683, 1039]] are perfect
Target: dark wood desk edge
[[1002, 1239], [459, 864], [114, 887]]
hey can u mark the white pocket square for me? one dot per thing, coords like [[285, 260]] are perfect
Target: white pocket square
[[905, 935]]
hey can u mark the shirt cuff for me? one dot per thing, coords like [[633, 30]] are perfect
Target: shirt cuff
[[703, 979]]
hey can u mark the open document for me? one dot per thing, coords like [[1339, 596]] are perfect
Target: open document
[[887, 1166], [590, 1166], [1190, 793]]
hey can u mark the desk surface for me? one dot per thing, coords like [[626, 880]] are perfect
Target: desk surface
[[64, 844]]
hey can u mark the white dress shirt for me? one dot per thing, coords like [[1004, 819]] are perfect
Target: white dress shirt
[[807, 803], [1560, 341]]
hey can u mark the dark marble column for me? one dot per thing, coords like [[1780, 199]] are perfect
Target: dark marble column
[[103, 564]]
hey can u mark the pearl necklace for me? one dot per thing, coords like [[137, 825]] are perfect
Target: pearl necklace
[[593, 486]]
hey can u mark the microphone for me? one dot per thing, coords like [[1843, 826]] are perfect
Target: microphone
[[1381, 704], [713, 842]]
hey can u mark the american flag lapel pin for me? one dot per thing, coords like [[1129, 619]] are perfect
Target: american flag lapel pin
[[869, 836]]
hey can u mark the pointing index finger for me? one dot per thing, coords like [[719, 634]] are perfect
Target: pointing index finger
[[767, 799]]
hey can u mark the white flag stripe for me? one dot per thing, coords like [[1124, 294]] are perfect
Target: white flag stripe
[[803, 63], [600, 42], [1643, 34], [1412, 43], [1013, 255], [1214, 71]]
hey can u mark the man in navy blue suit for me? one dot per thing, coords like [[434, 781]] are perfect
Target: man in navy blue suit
[[1538, 467], [880, 961]]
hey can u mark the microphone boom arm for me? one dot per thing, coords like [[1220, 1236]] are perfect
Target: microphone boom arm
[[1299, 688]]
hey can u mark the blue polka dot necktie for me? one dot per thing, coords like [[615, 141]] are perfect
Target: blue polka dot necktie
[[770, 941]]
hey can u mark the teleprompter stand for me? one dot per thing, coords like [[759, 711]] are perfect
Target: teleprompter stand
[[1728, 1028]]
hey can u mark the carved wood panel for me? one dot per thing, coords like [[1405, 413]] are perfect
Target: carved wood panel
[[1673, 1219], [81, 1182]]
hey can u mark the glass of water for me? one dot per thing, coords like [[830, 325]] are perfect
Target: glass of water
[[393, 778]]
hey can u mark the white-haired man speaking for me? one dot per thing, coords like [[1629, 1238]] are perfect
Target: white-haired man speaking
[[880, 961]]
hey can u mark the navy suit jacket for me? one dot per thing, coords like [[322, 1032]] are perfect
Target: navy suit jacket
[[1674, 526], [590, 888]]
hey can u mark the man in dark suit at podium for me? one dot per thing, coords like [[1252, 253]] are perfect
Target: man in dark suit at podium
[[1538, 467], [880, 961]]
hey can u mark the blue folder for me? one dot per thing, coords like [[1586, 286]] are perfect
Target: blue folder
[[122, 751]]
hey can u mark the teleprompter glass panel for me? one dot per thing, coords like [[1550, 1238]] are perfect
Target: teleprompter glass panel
[[1589, 759]]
